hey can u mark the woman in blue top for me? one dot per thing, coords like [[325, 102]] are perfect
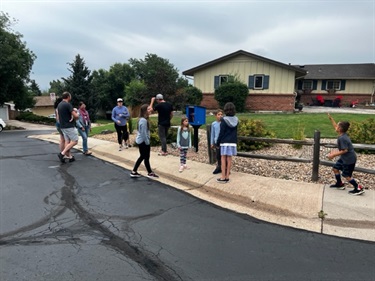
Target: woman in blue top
[[120, 116], [143, 141]]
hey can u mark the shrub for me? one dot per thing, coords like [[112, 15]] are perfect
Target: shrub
[[253, 128], [31, 117], [363, 132], [235, 92], [298, 134]]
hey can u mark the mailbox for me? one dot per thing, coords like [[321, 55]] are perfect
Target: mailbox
[[196, 115]]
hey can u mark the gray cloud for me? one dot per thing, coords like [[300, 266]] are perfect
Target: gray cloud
[[190, 33]]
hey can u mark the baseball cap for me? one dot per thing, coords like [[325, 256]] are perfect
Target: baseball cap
[[119, 99], [159, 96]]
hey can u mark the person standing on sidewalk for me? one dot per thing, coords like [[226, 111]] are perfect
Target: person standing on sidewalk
[[57, 124], [227, 140], [68, 126], [183, 142], [165, 114], [347, 160], [84, 126], [215, 131], [143, 141], [120, 115]]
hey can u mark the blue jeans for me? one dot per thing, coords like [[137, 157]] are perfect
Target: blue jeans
[[84, 134]]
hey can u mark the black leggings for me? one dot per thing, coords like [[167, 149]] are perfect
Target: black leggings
[[144, 151], [122, 133]]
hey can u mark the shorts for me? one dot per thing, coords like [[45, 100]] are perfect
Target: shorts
[[228, 150], [347, 169], [70, 134]]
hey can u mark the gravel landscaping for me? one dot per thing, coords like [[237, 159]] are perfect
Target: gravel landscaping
[[300, 172]]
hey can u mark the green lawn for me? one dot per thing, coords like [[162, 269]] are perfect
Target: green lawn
[[281, 124]]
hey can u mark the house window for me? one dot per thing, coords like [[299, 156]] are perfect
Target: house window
[[307, 85], [223, 79], [333, 85], [258, 82]]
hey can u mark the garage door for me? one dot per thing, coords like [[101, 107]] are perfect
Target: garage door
[[4, 113]]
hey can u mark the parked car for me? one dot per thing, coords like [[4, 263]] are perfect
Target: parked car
[[52, 116], [2, 124]]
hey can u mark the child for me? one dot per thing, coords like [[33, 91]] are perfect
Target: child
[[143, 141], [347, 160], [183, 141], [227, 140], [215, 130]]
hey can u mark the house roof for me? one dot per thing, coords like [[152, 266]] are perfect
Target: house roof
[[43, 101], [339, 71], [190, 72]]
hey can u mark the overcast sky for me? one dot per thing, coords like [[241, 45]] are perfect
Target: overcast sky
[[190, 33]]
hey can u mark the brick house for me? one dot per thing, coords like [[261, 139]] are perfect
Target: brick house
[[271, 84], [350, 83]]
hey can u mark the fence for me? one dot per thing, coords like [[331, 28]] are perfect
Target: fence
[[316, 145]]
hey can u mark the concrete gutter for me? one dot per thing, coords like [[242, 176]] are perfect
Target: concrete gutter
[[309, 206]]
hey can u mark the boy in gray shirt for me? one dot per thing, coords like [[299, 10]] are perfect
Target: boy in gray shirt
[[347, 160]]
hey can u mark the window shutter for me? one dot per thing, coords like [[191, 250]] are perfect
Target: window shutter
[[324, 83], [315, 85], [266, 81], [299, 85], [343, 82], [216, 82], [251, 82]]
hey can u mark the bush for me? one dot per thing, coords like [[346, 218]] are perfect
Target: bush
[[298, 134], [32, 118], [235, 92], [253, 128], [363, 132]]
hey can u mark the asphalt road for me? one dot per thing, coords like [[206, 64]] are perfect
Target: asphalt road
[[88, 220]]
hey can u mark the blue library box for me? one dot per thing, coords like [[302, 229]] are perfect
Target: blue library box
[[196, 115]]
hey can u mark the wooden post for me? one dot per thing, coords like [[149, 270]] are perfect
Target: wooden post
[[316, 156]]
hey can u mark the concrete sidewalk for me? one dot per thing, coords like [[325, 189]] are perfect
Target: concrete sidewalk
[[295, 204]]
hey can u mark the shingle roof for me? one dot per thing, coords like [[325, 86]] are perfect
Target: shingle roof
[[43, 101], [339, 71], [190, 72]]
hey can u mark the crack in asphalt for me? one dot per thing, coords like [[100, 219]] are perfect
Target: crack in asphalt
[[83, 222]]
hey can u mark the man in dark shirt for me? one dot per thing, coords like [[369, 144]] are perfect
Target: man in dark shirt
[[67, 117], [165, 114]]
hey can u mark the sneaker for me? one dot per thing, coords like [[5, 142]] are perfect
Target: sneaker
[[126, 147], [338, 186], [357, 191], [186, 167], [181, 169], [161, 153], [72, 159], [227, 180], [135, 175], [120, 148], [61, 157], [221, 180], [152, 175], [217, 171]]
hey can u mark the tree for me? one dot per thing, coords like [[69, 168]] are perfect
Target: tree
[[158, 74], [34, 89], [57, 87], [79, 85], [16, 62]]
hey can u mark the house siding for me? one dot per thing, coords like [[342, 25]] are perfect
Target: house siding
[[278, 96], [355, 90]]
